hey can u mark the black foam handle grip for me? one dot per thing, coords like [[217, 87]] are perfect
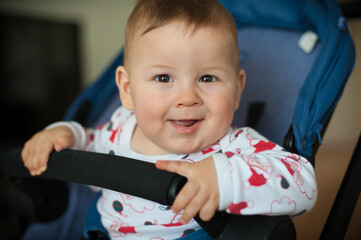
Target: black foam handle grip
[[131, 176]]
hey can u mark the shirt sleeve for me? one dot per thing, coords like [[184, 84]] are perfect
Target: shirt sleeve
[[79, 132], [256, 176], [95, 139]]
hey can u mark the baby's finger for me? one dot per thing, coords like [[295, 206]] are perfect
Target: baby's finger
[[194, 207], [31, 162], [178, 167], [37, 156], [62, 143], [208, 210], [25, 153], [184, 197], [42, 159], [30, 158]]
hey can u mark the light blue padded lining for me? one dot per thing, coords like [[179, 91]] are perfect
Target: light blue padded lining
[[276, 68]]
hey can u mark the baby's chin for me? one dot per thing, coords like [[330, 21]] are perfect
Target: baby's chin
[[184, 149]]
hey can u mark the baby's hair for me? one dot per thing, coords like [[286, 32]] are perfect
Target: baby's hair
[[150, 14]]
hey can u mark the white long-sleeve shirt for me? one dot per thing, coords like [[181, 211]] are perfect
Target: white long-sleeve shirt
[[255, 176]]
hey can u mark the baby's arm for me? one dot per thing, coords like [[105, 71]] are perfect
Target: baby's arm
[[36, 151], [252, 176], [71, 134], [260, 177]]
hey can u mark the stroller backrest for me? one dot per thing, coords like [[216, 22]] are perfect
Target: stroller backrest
[[276, 68], [297, 56]]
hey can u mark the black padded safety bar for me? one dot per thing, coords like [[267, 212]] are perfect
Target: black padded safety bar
[[118, 173], [130, 176], [103, 170]]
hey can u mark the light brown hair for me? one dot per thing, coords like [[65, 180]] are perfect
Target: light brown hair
[[150, 14]]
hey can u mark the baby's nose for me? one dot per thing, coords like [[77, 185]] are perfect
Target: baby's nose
[[188, 96]]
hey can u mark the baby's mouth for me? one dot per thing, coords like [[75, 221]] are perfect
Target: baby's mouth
[[186, 127], [185, 123]]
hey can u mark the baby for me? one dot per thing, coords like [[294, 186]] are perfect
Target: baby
[[180, 85]]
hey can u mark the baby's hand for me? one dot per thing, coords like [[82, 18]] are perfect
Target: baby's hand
[[200, 194], [36, 151]]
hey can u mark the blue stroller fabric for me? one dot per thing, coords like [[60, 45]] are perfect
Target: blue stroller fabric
[[307, 89], [325, 81], [92, 222]]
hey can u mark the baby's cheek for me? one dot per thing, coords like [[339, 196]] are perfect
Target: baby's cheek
[[225, 115]]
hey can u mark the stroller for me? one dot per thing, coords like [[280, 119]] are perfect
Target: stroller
[[300, 51]]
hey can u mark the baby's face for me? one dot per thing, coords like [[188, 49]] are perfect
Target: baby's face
[[184, 88]]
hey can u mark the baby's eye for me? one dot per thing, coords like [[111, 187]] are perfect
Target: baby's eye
[[207, 79], [164, 78]]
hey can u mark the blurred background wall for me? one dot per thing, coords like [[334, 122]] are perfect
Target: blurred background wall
[[100, 32], [101, 23], [49, 51]]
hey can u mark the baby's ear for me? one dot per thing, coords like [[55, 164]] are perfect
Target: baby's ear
[[241, 82], [123, 84]]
